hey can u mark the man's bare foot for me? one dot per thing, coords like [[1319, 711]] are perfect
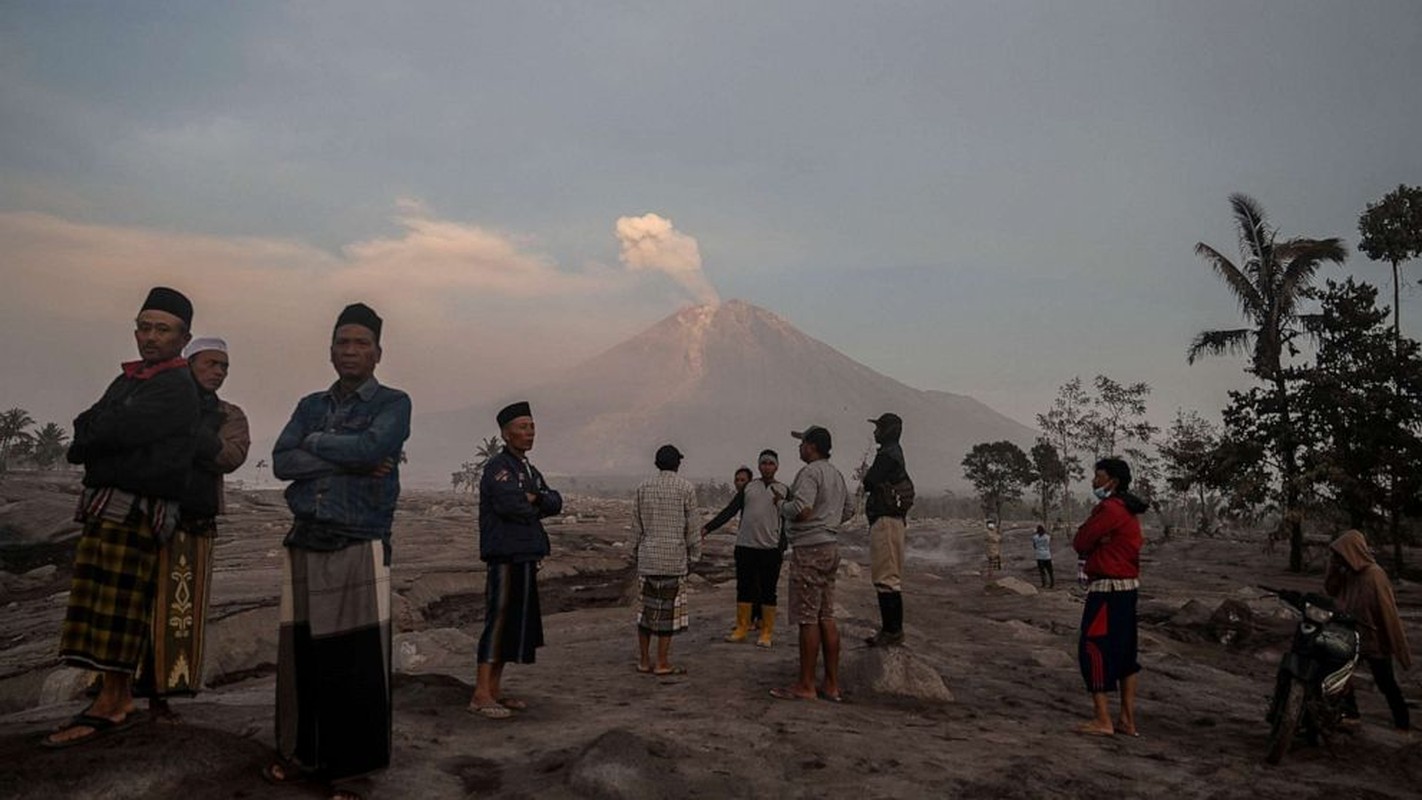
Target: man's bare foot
[[1126, 727], [793, 693], [831, 693], [1094, 728]]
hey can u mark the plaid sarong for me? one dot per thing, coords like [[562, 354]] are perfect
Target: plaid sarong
[[106, 626], [333, 661], [513, 620], [663, 610], [173, 661]]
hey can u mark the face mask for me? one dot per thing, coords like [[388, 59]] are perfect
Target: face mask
[[1101, 492]]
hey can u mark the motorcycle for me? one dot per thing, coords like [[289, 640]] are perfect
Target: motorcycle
[[1313, 675]]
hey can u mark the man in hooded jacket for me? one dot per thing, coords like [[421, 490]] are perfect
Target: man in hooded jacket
[[1362, 589], [887, 524]]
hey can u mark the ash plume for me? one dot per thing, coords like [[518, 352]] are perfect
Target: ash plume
[[651, 242]]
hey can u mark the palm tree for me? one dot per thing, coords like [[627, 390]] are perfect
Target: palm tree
[[50, 444], [13, 424], [488, 448], [261, 465], [1270, 282]]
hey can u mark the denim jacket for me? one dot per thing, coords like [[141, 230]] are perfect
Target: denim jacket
[[328, 451]]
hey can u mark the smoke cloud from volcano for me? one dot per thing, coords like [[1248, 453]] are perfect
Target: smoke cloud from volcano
[[652, 243]]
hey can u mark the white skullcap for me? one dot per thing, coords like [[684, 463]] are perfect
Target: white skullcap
[[204, 343]]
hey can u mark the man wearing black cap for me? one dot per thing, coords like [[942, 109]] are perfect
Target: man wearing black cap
[[819, 502], [665, 542], [887, 495], [137, 445], [513, 500], [341, 452]]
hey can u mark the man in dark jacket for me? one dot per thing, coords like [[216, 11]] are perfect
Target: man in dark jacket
[[137, 445], [172, 665], [887, 523], [513, 500], [341, 452]]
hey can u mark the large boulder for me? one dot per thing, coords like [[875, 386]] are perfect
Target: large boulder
[[896, 671], [1008, 584], [240, 645], [1231, 623], [620, 764]]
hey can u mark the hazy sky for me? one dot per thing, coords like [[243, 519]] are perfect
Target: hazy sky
[[985, 198]]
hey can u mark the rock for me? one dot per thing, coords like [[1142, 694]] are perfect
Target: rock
[[1011, 585], [241, 644], [620, 764], [850, 569], [1050, 658], [571, 519], [1231, 623], [403, 614], [64, 684], [435, 586], [441, 650], [1193, 614], [897, 671]]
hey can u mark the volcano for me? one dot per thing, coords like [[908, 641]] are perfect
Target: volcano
[[721, 382]]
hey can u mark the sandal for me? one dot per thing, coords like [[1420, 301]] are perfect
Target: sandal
[[670, 671], [495, 711], [100, 726], [513, 703]]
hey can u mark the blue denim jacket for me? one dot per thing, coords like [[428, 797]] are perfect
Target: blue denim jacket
[[328, 450]]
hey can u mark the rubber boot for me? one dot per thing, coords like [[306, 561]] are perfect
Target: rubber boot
[[767, 626], [891, 612], [743, 615]]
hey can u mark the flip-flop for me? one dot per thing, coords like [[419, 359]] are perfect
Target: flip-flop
[[1085, 730], [513, 703], [672, 671], [780, 693], [102, 726], [491, 712], [833, 698], [644, 670], [289, 776]]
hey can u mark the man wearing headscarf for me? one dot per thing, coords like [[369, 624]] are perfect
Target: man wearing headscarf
[[1363, 590], [513, 501], [137, 446], [172, 665], [341, 452], [665, 543]]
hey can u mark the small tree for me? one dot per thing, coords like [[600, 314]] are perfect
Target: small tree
[[261, 465], [1048, 474], [488, 448], [999, 471], [50, 443], [1391, 231], [1063, 426], [1189, 451], [1117, 418], [14, 425]]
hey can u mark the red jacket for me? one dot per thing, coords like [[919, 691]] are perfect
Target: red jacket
[[1110, 541]]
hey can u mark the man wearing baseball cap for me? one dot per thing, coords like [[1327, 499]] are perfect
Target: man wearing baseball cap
[[818, 503]]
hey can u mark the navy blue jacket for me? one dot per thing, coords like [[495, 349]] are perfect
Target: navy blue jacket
[[510, 527]]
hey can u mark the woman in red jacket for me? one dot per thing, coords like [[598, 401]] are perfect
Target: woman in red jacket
[[1110, 542]]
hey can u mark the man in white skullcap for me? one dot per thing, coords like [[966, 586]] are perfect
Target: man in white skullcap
[[172, 665]]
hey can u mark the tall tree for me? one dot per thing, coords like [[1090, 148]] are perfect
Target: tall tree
[[1391, 231], [1048, 473], [1117, 418], [1064, 427], [1271, 282], [14, 426], [999, 471], [50, 443], [1361, 406], [1189, 451]]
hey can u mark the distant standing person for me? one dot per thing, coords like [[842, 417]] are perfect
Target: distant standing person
[[666, 542], [758, 549], [173, 663], [1110, 541], [1042, 549], [1363, 590], [513, 501], [137, 445], [992, 540], [341, 452], [819, 503], [886, 504]]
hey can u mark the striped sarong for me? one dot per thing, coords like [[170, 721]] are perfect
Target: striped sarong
[[1107, 650], [513, 620], [106, 626], [663, 609], [333, 661], [173, 662]]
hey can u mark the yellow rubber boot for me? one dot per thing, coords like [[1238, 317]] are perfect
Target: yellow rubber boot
[[767, 626], [743, 612]]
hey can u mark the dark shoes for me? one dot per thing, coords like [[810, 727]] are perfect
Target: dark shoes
[[891, 610]]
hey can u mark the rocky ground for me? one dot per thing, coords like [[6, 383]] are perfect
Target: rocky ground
[[980, 703]]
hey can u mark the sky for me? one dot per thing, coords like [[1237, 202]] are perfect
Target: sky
[[986, 198]]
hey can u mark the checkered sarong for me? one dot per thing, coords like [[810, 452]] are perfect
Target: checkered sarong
[[663, 611], [111, 597]]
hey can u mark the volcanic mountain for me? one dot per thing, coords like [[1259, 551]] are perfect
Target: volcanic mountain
[[721, 382]]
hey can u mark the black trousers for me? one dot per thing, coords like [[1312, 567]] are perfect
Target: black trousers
[[757, 573], [1044, 569], [1387, 684]]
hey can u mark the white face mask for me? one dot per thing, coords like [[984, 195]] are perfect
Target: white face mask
[[1101, 492]]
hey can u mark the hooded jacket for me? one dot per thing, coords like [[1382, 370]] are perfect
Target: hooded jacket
[[1110, 539], [1362, 589], [888, 467]]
